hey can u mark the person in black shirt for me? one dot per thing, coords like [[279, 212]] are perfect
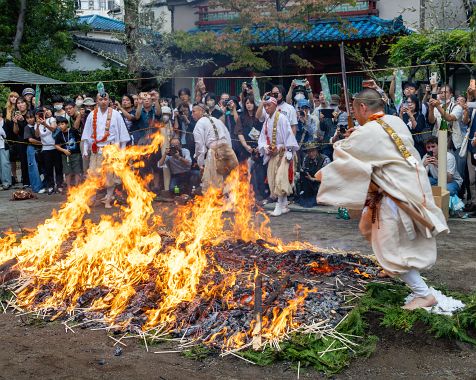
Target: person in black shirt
[[416, 122], [248, 131], [308, 185], [67, 143], [19, 124]]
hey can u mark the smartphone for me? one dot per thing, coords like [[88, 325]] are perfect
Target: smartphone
[[434, 78], [434, 96], [430, 153], [300, 82], [17, 113], [41, 115]]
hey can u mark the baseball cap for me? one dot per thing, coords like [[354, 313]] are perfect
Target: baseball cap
[[303, 103], [28, 91]]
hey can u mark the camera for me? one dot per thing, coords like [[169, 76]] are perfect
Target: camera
[[434, 96], [342, 129], [41, 115], [173, 150], [302, 113], [230, 104], [430, 153], [249, 85]]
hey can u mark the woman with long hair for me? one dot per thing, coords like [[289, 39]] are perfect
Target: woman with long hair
[[8, 127], [19, 124], [411, 115], [248, 132]]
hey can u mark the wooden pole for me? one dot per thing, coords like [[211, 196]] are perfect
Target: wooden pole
[[258, 311]]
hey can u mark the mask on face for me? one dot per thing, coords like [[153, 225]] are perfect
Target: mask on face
[[165, 118], [58, 107], [79, 103], [299, 96]]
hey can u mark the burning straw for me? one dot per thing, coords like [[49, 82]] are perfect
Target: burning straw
[[216, 278]]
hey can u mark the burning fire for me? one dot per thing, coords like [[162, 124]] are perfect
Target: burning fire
[[109, 260]]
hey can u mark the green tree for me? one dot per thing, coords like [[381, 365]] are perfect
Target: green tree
[[238, 41], [45, 39]]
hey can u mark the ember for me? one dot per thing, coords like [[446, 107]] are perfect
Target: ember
[[217, 278]]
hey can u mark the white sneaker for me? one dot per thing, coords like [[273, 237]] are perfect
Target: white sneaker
[[285, 210], [277, 211], [42, 191]]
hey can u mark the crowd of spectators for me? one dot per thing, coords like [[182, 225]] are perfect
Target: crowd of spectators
[[43, 141]]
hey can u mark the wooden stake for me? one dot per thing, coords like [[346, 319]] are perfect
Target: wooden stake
[[258, 312]]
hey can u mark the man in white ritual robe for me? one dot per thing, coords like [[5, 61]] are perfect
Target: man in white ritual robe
[[371, 157], [104, 126], [206, 141], [277, 144]]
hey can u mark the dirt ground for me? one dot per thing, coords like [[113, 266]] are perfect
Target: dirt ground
[[46, 351]]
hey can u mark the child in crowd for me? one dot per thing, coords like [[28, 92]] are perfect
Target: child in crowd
[[67, 143], [31, 135]]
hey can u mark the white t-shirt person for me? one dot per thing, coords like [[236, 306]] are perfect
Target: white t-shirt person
[[46, 136]]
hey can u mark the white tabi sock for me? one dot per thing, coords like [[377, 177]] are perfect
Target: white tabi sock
[[413, 279], [283, 201]]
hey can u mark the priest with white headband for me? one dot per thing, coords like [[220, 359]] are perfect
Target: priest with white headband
[[277, 144]]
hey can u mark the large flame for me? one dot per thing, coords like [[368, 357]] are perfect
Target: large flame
[[72, 255]]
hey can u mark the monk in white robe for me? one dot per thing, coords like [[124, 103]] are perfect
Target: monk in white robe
[[206, 140], [372, 169], [104, 126], [277, 144]]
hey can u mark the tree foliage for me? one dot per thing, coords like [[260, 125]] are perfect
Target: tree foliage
[[238, 38], [151, 50], [46, 39], [437, 46]]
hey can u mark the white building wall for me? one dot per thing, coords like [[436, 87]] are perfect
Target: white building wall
[[100, 7], [83, 60], [425, 14]]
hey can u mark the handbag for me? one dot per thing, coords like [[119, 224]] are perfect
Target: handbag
[[225, 157]]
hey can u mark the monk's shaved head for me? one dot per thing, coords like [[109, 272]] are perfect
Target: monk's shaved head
[[371, 98], [366, 103]]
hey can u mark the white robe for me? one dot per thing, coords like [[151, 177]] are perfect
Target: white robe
[[118, 133], [278, 165], [370, 154], [204, 136], [284, 135]]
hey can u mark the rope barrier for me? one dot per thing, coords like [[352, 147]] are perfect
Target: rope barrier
[[155, 128], [257, 77]]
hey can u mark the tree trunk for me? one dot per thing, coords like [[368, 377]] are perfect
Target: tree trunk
[[131, 21], [20, 28]]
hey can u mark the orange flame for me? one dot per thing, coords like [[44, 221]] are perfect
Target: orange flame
[[71, 255]]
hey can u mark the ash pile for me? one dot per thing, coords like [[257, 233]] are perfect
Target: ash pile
[[243, 283]]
